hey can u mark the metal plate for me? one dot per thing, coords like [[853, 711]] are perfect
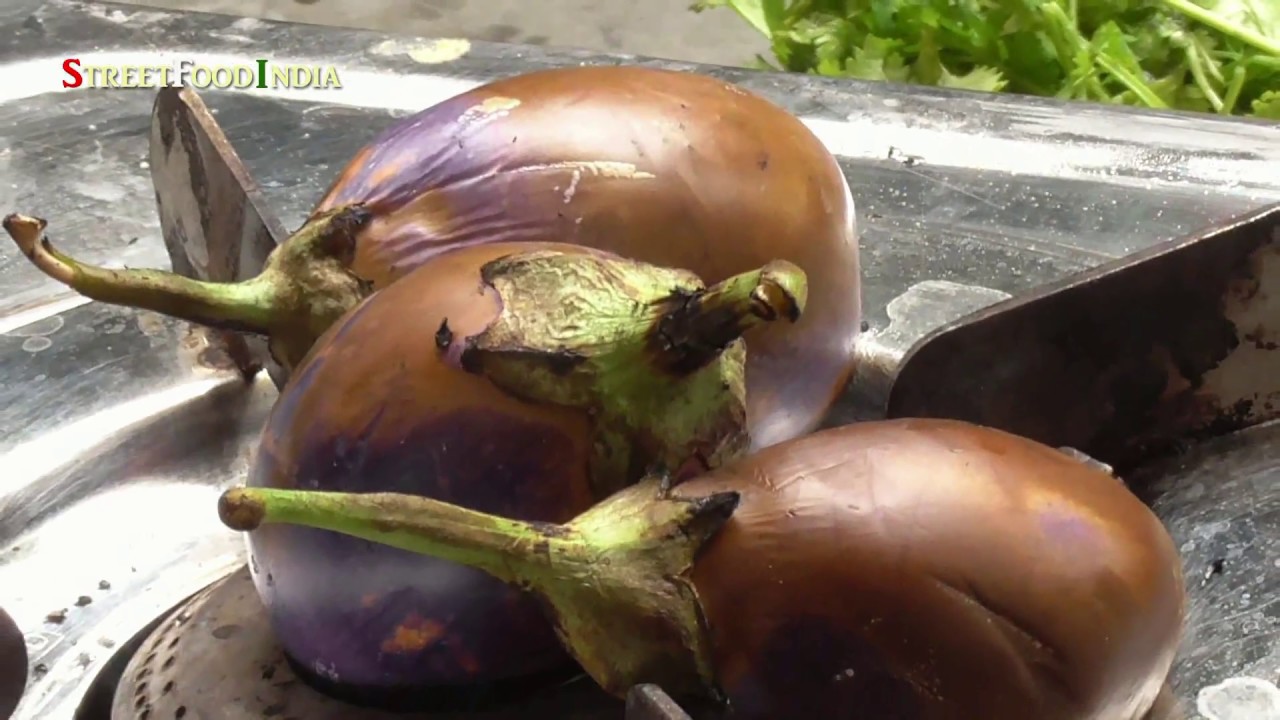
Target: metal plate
[[119, 430], [1221, 502]]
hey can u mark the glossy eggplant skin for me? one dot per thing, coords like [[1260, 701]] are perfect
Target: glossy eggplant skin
[[13, 664], [376, 407], [669, 168], [934, 570]]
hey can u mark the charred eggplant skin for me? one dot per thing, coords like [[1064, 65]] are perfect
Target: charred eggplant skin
[[671, 168], [375, 408], [935, 570]]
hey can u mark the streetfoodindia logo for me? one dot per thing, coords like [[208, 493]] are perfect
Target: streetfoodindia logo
[[261, 73]]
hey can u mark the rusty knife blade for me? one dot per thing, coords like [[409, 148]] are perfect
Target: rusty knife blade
[[1132, 359], [216, 223]]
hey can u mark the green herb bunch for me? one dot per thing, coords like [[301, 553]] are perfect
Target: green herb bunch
[[1220, 56]]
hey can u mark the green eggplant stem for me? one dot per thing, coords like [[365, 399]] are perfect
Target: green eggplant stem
[[615, 579], [506, 549], [231, 306], [305, 286], [706, 322], [653, 354]]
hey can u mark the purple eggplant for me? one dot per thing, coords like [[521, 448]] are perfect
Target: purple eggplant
[[520, 379], [670, 168], [924, 569]]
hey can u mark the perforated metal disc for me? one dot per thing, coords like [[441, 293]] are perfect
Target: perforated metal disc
[[215, 658]]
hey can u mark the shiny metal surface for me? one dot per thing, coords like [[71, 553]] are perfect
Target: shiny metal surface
[[107, 412], [1220, 501]]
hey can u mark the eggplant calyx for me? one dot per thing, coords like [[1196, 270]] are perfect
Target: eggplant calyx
[[306, 284], [651, 353], [615, 578]]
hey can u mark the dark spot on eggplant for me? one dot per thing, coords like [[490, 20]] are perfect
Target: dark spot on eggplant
[[812, 668], [444, 336], [222, 632], [469, 359], [763, 162], [718, 507], [480, 459]]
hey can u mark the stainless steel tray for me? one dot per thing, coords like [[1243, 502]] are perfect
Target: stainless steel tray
[[963, 200]]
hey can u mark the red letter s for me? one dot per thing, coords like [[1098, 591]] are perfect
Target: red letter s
[[71, 66]]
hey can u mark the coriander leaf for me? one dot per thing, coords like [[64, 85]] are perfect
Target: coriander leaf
[[1267, 105], [984, 79], [754, 12], [1237, 19], [1201, 55]]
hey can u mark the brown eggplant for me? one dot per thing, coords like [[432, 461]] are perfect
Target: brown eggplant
[[13, 664], [923, 569], [670, 168], [526, 380]]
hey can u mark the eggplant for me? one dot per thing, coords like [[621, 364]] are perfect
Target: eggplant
[[670, 168], [923, 569], [523, 379], [13, 664]]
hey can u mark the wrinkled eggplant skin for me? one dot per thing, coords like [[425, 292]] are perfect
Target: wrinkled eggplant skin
[[669, 168], [375, 408], [934, 570]]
